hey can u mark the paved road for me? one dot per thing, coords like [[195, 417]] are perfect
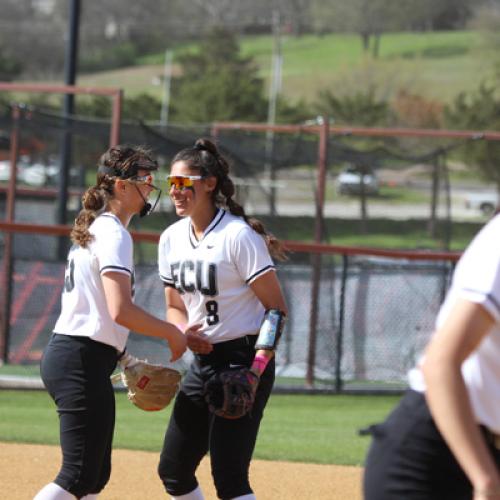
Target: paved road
[[351, 209], [295, 197]]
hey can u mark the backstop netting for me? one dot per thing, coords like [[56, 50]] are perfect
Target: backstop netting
[[357, 321], [275, 174], [373, 314]]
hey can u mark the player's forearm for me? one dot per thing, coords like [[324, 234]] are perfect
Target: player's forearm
[[260, 361], [451, 409], [178, 317], [136, 319]]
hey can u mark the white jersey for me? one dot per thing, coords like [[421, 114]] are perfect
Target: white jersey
[[84, 310], [477, 279], [213, 275]]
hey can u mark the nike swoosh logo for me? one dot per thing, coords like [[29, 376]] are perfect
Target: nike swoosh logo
[[210, 246]]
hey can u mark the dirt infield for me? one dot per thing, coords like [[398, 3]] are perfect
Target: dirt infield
[[25, 468]]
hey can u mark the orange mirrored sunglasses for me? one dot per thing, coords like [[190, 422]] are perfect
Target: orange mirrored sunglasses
[[182, 182]]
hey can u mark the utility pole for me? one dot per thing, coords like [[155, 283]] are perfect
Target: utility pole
[[70, 65], [274, 89], [167, 79]]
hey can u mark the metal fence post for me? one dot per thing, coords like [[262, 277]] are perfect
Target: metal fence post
[[8, 239], [116, 118], [316, 259], [340, 336]]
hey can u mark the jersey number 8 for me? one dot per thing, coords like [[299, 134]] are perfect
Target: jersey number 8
[[212, 310]]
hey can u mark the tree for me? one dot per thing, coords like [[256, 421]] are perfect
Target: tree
[[479, 110], [368, 18], [486, 20], [361, 108], [217, 83], [416, 111], [295, 14], [292, 112], [143, 107], [33, 45], [372, 18], [9, 66]]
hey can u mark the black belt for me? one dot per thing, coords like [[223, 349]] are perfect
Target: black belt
[[228, 346], [247, 340]]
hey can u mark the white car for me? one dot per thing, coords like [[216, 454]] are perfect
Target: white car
[[39, 174], [33, 174], [22, 164], [486, 202], [350, 180]]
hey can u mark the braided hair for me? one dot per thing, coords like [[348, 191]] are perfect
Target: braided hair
[[205, 157], [121, 162]]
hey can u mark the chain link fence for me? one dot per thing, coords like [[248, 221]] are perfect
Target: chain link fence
[[373, 314], [358, 321]]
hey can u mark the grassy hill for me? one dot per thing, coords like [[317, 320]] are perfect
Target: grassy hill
[[437, 65]]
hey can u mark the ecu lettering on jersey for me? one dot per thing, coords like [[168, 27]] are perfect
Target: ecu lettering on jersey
[[189, 276], [213, 274]]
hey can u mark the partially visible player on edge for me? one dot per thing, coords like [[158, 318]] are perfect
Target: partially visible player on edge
[[442, 442], [218, 272], [97, 314]]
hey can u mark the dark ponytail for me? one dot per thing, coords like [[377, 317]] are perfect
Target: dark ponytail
[[205, 157], [94, 200]]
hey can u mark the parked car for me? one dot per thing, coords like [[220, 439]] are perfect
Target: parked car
[[22, 164], [350, 181], [39, 174], [486, 202], [35, 174]]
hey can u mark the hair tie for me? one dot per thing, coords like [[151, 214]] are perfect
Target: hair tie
[[199, 147]]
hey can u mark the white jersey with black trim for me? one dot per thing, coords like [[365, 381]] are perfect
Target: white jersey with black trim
[[213, 275], [84, 310], [477, 279]]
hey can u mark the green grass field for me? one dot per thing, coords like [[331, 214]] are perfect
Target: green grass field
[[315, 428], [438, 65]]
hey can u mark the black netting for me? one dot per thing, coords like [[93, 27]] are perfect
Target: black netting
[[275, 173], [373, 316]]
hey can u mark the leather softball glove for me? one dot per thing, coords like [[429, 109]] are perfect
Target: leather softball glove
[[231, 393], [150, 387]]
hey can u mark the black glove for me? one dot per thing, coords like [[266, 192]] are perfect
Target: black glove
[[231, 393]]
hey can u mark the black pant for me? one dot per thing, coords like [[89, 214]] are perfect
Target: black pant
[[76, 372], [409, 459], [193, 430]]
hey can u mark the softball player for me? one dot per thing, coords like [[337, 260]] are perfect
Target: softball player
[[442, 441], [219, 279], [92, 329]]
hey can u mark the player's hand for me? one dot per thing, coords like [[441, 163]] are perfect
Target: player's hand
[[177, 342], [197, 341]]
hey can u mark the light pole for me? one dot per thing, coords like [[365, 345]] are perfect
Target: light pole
[[274, 88], [70, 67], [167, 79]]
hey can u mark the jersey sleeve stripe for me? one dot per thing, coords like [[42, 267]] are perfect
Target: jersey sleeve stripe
[[490, 300], [115, 268], [260, 272], [166, 279]]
